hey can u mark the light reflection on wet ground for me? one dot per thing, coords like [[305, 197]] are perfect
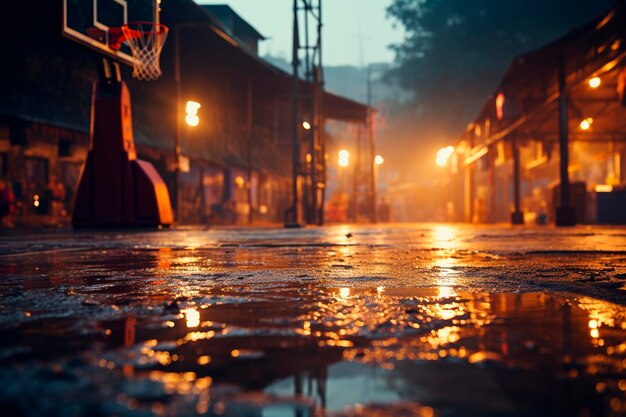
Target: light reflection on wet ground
[[419, 321]]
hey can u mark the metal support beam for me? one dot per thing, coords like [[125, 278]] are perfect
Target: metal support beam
[[517, 217], [292, 216], [565, 214], [491, 178], [309, 176], [373, 166], [250, 133]]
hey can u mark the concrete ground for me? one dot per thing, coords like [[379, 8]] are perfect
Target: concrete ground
[[388, 320]]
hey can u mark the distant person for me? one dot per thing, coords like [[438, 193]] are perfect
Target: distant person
[[7, 199]]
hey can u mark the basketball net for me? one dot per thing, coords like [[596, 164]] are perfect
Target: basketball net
[[145, 40]]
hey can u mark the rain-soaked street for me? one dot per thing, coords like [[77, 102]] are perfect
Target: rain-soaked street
[[416, 320]]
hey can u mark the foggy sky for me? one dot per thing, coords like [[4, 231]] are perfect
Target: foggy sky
[[345, 21]]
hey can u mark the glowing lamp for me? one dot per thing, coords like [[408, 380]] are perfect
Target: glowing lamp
[[604, 188], [344, 158], [595, 82], [443, 155], [500, 99], [306, 125], [586, 124], [379, 160], [192, 120], [191, 109]]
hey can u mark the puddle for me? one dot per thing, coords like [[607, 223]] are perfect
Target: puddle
[[305, 350]]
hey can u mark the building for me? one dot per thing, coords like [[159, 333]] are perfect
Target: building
[[235, 168], [553, 127]]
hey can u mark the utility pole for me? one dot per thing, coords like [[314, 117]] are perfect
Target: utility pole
[[306, 106], [292, 217], [372, 146]]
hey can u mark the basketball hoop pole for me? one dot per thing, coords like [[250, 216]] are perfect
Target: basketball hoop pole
[[116, 188]]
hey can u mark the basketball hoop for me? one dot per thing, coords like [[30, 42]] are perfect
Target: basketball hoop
[[145, 40]]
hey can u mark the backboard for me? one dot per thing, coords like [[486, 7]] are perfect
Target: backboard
[[94, 23]]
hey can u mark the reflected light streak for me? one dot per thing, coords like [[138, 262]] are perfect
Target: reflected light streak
[[446, 292], [444, 266], [444, 236], [192, 316]]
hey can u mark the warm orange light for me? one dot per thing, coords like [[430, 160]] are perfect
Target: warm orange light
[[595, 82], [191, 109], [379, 160], [344, 158], [604, 188], [309, 158], [240, 181], [443, 155], [500, 99], [586, 124], [192, 120], [306, 125], [192, 316]]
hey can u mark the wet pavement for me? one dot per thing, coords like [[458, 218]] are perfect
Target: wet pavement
[[415, 320]]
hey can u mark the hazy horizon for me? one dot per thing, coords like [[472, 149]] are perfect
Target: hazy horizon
[[346, 22]]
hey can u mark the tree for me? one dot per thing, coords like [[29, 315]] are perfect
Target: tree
[[456, 51]]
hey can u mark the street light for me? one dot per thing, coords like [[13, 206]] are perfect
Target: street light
[[443, 155], [378, 161], [595, 82], [586, 124], [191, 109], [344, 158]]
